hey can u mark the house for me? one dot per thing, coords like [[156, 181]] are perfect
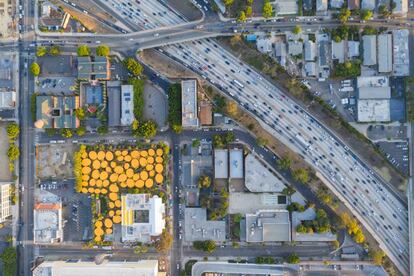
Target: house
[[251, 38], [295, 48], [369, 43], [189, 117], [7, 99], [310, 50], [373, 103], [280, 53], [384, 53], [401, 7], [94, 68], [310, 69], [338, 51], [47, 222], [353, 49], [401, 53], [56, 111], [264, 45], [143, 217]]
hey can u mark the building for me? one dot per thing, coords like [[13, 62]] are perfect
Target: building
[[5, 205], [127, 105], [236, 163], [258, 178], [251, 38], [56, 111], [189, 103], [338, 51], [94, 68], [7, 99], [143, 217], [280, 53], [268, 226], [198, 228], [353, 49], [401, 56], [373, 104], [285, 7], [264, 45], [369, 42], [47, 223], [113, 89], [321, 5], [310, 69], [368, 4], [353, 4], [221, 164], [307, 216], [295, 48], [401, 7], [86, 268], [310, 50], [384, 53], [52, 19], [250, 203], [307, 5], [336, 4]]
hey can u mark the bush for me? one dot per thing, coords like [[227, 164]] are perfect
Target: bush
[[103, 50], [33, 106], [35, 69], [295, 207], [84, 51], [204, 181], [133, 66], [138, 86], [13, 130], [174, 105], [265, 260]]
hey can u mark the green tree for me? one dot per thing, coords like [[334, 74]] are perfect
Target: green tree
[[207, 246], [229, 137], [359, 236], [140, 249], [242, 17], [13, 130], [164, 243], [35, 69], [8, 238], [84, 51], [133, 66], [366, 14], [177, 128], [13, 152], [80, 131], [218, 141], [9, 258], [267, 9], [228, 3], [335, 244], [204, 181], [261, 141], [54, 50], [103, 50], [232, 108], [288, 191], [249, 11], [301, 229], [80, 113], [393, 5], [66, 132], [377, 256], [297, 29], [148, 129], [383, 10], [293, 259], [344, 15], [249, 2], [195, 143], [102, 130], [41, 51], [301, 175], [284, 163]]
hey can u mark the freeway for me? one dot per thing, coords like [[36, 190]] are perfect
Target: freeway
[[370, 198]]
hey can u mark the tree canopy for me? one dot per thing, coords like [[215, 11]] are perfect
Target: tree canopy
[[165, 242], [301, 175], [344, 15], [13, 152], [297, 29], [133, 66], [13, 130], [204, 181], [9, 258], [228, 2], [103, 50], [35, 69], [366, 14], [147, 129], [84, 51], [293, 259], [242, 17], [54, 50], [267, 10], [41, 51], [249, 11], [207, 246]]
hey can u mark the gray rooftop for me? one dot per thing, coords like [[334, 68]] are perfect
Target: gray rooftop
[[236, 163], [384, 53], [189, 103], [114, 103], [198, 228], [221, 163], [268, 226], [369, 43]]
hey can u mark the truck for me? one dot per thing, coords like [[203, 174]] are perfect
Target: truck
[[302, 142], [238, 83]]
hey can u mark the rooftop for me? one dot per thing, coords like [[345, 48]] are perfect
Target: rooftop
[[56, 111], [401, 66], [268, 226], [373, 81], [221, 163], [373, 110], [338, 51], [295, 48], [114, 103], [189, 103], [245, 203], [80, 268], [309, 214], [258, 178], [47, 223], [7, 99], [236, 163], [283, 7], [384, 53], [198, 228], [374, 93], [369, 43], [310, 50], [127, 105], [94, 68]]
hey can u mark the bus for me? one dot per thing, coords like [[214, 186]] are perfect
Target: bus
[[238, 83], [302, 142]]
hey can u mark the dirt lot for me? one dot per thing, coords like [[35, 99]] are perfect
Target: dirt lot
[[5, 174], [54, 161], [240, 5], [248, 53]]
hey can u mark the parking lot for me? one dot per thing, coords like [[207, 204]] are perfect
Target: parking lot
[[5, 174], [397, 154], [389, 132], [76, 209], [60, 66], [55, 85]]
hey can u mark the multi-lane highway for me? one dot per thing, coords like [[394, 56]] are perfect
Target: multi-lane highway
[[369, 197]]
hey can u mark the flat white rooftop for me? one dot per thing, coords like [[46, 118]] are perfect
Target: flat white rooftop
[[373, 110], [189, 103]]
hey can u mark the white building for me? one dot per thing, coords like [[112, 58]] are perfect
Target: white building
[[353, 49], [310, 50], [280, 53], [268, 226], [236, 163], [368, 4], [143, 217], [310, 69], [338, 51], [5, 210], [374, 95], [189, 103], [8, 99], [295, 48], [221, 164], [321, 5], [384, 53], [264, 45], [127, 105], [85, 268], [369, 42], [401, 56], [401, 7], [47, 223]]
